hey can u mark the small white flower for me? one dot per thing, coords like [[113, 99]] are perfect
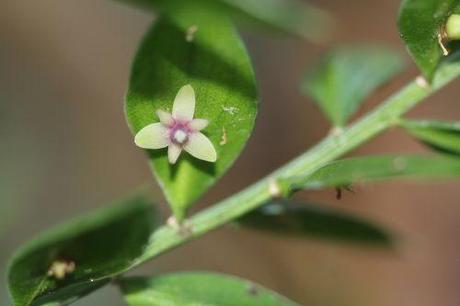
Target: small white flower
[[178, 131]]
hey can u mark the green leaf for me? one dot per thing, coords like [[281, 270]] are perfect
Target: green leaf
[[306, 219], [198, 288], [293, 17], [439, 135], [420, 23], [345, 77], [217, 66], [377, 168], [100, 245]]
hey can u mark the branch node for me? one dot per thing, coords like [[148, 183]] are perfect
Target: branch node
[[336, 131], [422, 82], [184, 229]]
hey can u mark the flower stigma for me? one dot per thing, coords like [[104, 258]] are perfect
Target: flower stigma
[[180, 136]]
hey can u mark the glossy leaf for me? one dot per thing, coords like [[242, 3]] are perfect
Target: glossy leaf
[[198, 288], [100, 245], [294, 17], [378, 168], [421, 23], [345, 77], [202, 50], [441, 136], [306, 219]]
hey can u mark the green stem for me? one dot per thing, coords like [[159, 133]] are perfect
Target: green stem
[[332, 147]]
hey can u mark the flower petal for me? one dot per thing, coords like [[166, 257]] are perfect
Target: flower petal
[[184, 104], [153, 136], [173, 153], [165, 117], [201, 147], [198, 124]]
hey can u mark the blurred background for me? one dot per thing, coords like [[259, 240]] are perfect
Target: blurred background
[[65, 149]]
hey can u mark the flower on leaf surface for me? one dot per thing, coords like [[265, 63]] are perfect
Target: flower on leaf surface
[[178, 131]]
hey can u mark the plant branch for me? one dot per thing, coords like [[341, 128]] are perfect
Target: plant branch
[[332, 147]]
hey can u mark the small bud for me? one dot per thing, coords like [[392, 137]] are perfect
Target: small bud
[[173, 223], [441, 43], [223, 140], [421, 82], [453, 27], [190, 34], [61, 268], [274, 189], [336, 131]]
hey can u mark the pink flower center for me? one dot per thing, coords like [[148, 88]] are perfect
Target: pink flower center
[[179, 133]]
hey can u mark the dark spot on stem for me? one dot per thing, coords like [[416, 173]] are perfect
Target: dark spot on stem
[[253, 290], [339, 193]]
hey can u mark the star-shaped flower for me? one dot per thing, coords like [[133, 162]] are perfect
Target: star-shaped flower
[[178, 131]]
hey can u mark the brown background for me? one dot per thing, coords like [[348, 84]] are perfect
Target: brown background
[[65, 149]]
